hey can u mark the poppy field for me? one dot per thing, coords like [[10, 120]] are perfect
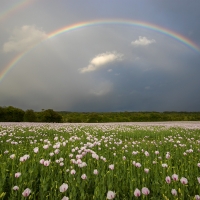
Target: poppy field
[[99, 161]]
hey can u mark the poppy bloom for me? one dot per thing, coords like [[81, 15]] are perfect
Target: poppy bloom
[[63, 187], [65, 198], [73, 171], [175, 177], [36, 149], [184, 180], [26, 192], [12, 156], [111, 167], [174, 192], [198, 179], [164, 165], [168, 179], [197, 197], [47, 162], [145, 191], [137, 192], [84, 176], [17, 175], [110, 195], [15, 188], [138, 164]]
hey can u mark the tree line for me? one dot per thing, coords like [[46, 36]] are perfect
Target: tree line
[[12, 114]]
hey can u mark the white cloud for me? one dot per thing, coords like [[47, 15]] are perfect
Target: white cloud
[[101, 60], [24, 38], [142, 41]]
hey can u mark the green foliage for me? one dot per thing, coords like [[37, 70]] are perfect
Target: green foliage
[[30, 116], [11, 114], [50, 116], [131, 150]]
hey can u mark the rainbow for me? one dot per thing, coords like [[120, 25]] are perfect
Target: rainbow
[[14, 8], [182, 39]]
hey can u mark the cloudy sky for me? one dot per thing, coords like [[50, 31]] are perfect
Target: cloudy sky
[[100, 55]]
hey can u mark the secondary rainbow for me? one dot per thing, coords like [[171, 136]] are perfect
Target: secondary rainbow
[[184, 40], [14, 8]]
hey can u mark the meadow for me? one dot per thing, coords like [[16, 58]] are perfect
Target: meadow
[[99, 161]]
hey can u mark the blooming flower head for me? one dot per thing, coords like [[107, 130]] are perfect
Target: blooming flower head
[[15, 188], [111, 166], [17, 175], [137, 192], [167, 155], [51, 154], [26, 192], [63, 187], [184, 180], [36, 149], [57, 151], [110, 195], [146, 170], [84, 176], [197, 197], [138, 164], [46, 146], [145, 191], [42, 161], [164, 165], [168, 179], [198, 164], [24, 158], [174, 192], [65, 198], [12, 156], [95, 171], [175, 177], [73, 171], [198, 179], [146, 153], [47, 163], [156, 152]]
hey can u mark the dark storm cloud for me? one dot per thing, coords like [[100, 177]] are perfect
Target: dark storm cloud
[[126, 67]]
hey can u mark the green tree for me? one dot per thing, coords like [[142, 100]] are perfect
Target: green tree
[[30, 116], [2, 114], [13, 114], [50, 116]]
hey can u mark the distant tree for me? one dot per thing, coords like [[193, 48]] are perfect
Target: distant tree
[[50, 116], [94, 118], [2, 114], [13, 114], [30, 116]]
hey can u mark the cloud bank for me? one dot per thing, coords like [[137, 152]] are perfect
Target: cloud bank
[[24, 38]]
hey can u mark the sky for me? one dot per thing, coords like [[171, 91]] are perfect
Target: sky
[[100, 55]]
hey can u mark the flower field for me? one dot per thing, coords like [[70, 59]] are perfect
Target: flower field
[[99, 161]]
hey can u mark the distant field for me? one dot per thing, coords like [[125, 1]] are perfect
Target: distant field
[[136, 160]]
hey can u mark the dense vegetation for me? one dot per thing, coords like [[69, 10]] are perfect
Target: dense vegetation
[[98, 162], [12, 114]]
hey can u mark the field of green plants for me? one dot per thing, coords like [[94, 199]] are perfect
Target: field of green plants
[[98, 161]]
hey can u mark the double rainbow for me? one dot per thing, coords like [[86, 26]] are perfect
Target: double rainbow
[[14, 8], [184, 40]]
